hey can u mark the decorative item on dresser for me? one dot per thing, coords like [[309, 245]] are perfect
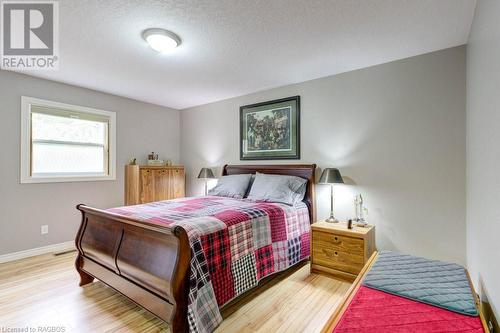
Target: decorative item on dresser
[[145, 184], [339, 251], [331, 176], [359, 210], [205, 174]]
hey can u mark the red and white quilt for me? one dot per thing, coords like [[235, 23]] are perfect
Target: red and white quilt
[[234, 244]]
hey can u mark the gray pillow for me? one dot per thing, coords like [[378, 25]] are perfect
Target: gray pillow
[[278, 188], [233, 186]]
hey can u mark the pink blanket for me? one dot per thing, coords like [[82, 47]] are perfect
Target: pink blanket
[[374, 311]]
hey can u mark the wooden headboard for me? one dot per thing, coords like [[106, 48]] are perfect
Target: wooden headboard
[[306, 171]]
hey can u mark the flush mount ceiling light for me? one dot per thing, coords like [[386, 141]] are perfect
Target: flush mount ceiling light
[[161, 40]]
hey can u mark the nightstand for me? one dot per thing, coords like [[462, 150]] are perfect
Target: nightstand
[[338, 251]]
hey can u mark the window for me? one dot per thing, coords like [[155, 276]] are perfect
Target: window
[[63, 143]]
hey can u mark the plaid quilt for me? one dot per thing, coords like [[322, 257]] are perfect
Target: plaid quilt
[[234, 244]]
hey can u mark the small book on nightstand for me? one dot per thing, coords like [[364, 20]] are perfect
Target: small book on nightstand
[[339, 251]]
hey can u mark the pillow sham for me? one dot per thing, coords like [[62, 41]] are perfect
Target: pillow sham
[[232, 186], [278, 188]]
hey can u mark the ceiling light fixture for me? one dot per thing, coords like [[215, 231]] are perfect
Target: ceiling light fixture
[[161, 40]]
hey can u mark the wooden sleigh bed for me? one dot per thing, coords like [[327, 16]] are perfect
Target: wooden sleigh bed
[[336, 316], [150, 263]]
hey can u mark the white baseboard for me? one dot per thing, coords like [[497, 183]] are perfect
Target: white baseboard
[[66, 246]]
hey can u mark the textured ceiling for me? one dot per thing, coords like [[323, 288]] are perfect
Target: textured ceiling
[[235, 47]]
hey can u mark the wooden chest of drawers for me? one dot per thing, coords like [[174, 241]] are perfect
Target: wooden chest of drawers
[[145, 184], [338, 251]]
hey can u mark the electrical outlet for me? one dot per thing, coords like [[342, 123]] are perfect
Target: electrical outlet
[[44, 229]]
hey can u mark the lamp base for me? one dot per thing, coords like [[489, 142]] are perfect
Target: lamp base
[[332, 219]]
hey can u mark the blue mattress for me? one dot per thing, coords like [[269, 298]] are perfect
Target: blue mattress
[[433, 282]]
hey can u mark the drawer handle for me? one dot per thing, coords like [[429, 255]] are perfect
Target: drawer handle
[[336, 240], [328, 253]]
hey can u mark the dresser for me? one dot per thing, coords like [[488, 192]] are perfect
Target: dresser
[[145, 184], [338, 251]]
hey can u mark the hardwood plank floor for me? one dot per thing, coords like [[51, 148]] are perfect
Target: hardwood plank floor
[[43, 292]]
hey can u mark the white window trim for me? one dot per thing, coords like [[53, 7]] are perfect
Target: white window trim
[[26, 177]]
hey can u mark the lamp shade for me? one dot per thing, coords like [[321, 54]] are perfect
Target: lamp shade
[[206, 173], [331, 176]]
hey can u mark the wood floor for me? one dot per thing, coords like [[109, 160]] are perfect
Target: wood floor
[[43, 292]]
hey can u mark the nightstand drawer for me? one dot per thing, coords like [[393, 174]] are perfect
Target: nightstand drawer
[[340, 260], [338, 243]]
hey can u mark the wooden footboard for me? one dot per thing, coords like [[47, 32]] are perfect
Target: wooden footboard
[[146, 262]]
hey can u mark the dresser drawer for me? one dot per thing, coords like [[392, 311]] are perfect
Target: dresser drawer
[[338, 243], [340, 260]]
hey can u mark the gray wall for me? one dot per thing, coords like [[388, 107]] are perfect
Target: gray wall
[[141, 128], [483, 155], [397, 130]]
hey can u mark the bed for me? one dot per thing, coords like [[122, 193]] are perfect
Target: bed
[[185, 259], [409, 297]]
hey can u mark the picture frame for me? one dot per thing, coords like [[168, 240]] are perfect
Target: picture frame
[[270, 130]]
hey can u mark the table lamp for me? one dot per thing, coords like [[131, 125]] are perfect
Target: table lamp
[[331, 176], [206, 173]]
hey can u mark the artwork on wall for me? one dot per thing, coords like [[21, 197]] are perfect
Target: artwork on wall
[[270, 130]]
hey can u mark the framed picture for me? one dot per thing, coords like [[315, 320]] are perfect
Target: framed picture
[[270, 130]]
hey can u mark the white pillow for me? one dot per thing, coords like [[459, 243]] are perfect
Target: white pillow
[[278, 188], [233, 186]]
